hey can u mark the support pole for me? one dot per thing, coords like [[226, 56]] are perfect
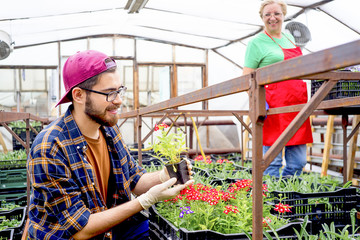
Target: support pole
[[257, 116], [345, 122], [139, 125], [353, 147], [327, 145]]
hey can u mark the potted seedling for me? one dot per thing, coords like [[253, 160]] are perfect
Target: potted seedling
[[168, 149]]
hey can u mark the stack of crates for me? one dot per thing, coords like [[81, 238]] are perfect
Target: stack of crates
[[13, 196]]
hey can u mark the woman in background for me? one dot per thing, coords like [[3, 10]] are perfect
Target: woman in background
[[268, 47]]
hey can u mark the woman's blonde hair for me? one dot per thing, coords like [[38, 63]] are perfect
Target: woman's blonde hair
[[267, 2]]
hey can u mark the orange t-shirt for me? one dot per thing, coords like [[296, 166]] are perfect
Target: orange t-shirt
[[98, 156]]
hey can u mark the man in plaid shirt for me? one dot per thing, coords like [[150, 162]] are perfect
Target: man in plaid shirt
[[81, 173]]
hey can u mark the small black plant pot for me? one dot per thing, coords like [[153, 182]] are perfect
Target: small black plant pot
[[179, 171]]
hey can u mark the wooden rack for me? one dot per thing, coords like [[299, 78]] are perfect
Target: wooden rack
[[313, 66]]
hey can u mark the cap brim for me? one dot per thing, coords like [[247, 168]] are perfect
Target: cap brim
[[64, 99]]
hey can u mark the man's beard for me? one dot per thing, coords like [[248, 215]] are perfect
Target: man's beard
[[98, 116]]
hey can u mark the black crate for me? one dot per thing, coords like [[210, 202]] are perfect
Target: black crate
[[12, 164], [200, 172], [222, 182], [16, 214], [286, 233], [9, 194], [144, 155], [236, 157], [236, 169], [21, 132], [229, 176], [161, 228], [7, 234], [151, 161], [336, 209], [342, 89], [13, 178], [21, 201]]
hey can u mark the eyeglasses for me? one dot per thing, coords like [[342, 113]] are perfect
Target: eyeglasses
[[276, 14], [111, 96]]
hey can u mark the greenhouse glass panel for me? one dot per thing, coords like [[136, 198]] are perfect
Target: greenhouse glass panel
[[189, 80], [125, 68], [154, 84], [153, 52], [7, 101], [321, 39], [235, 52], [35, 103], [7, 79], [124, 47], [69, 48], [104, 45], [33, 79], [345, 11], [185, 54]]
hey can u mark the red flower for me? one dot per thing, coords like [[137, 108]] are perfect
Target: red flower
[[281, 208], [220, 161], [200, 158], [244, 184], [231, 208], [266, 222], [160, 126]]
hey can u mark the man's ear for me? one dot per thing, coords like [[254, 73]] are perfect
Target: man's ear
[[78, 95]]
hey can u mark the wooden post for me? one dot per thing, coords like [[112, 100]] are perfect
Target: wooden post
[[2, 142], [257, 116], [327, 145], [310, 145], [352, 149], [246, 139]]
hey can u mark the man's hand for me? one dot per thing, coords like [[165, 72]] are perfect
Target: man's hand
[[164, 175], [161, 192]]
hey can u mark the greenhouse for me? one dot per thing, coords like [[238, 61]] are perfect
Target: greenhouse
[[252, 105]]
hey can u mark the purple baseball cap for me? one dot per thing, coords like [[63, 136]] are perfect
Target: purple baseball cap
[[82, 66]]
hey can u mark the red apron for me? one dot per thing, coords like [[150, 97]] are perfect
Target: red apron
[[286, 93]]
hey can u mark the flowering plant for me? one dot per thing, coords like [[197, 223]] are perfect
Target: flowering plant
[[169, 145], [200, 159], [208, 164], [226, 209]]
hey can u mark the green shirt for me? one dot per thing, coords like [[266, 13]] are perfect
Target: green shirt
[[262, 51]]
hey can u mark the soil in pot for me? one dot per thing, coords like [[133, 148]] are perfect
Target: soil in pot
[[179, 171]]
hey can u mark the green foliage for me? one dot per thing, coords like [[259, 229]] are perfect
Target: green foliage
[[152, 167], [22, 124], [330, 232], [5, 206], [13, 159], [209, 212], [234, 174], [6, 223], [13, 155], [170, 146], [305, 183]]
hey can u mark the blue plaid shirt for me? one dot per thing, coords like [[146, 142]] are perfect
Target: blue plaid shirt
[[64, 193]]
